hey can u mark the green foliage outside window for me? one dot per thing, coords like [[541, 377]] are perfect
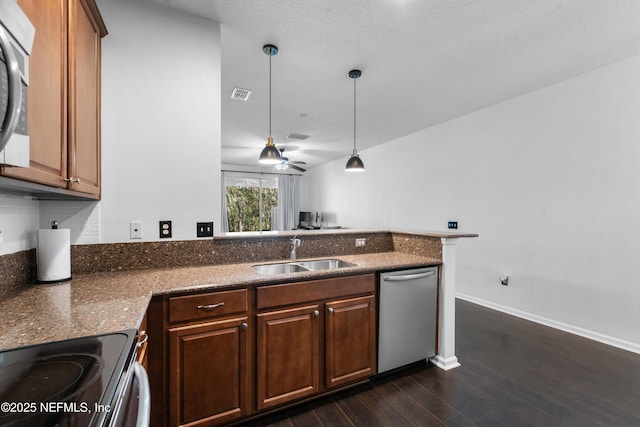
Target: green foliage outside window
[[243, 207]]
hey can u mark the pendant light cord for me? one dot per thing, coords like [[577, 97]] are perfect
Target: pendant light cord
[[270, 55], [354, 116]]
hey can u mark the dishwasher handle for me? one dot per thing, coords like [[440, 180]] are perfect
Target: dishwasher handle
[[407, 277]]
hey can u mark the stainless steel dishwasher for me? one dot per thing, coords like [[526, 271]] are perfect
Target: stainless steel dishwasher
[[407, 318]]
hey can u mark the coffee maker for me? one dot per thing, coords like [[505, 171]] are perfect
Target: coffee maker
[[309, 220]]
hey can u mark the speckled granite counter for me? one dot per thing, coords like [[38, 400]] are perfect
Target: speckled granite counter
[[110, 301]]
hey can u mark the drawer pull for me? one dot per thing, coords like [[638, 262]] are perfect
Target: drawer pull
[[210, 306]]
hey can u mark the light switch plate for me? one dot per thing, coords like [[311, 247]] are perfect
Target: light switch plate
[[204, 229]]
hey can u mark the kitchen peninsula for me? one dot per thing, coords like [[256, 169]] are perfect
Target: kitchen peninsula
[[112, 284], [193, 296]]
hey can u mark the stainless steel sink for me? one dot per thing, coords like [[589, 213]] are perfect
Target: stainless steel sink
[[298, 266], [279, 268], [325, 264]]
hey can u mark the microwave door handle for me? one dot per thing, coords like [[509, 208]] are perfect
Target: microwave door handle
[[14, 95]]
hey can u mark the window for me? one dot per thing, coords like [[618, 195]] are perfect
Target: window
[[251, 202]]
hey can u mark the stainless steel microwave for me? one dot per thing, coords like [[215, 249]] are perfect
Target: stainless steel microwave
[[16, 41]]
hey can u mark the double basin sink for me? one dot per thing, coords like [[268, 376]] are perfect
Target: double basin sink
[[299, 266]]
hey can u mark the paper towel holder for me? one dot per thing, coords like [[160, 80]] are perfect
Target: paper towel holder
[[53, 255]]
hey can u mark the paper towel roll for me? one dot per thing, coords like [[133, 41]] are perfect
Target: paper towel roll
[[54, 255]]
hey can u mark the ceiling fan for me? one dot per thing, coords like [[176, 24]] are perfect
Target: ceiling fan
[[285, 163]]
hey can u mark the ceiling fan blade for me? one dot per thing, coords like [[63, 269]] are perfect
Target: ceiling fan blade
[[299, 163], [298, 168]]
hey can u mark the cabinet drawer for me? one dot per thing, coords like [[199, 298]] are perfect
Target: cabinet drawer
[[314, 290], [212, 304]]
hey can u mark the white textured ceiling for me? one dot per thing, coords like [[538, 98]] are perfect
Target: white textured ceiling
[[423, 62]]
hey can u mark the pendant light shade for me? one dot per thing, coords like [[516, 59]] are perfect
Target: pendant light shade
[[270, 155], [354, 164]]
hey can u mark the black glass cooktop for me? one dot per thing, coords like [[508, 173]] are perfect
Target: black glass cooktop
[[64, 383]]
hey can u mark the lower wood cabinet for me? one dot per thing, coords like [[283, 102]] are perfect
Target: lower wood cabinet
[[208, 373], [350, 345], [307, 349], [219, 356], [288, 355]]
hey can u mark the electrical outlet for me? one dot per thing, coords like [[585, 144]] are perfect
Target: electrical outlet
[[204, 229], [165, 229], [360, 243], [453, 225], [135, 230], [504, 279]]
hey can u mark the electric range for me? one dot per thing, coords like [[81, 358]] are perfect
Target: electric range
[[68, 383]]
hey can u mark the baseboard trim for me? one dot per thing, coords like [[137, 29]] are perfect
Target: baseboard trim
[[445, 363], [585, 333]]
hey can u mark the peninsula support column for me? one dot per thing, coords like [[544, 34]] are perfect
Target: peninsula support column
[[446, 358]]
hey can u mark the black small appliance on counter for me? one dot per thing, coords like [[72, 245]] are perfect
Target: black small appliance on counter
[[309, 221]]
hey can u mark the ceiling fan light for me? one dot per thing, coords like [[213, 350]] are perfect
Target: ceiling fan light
[[354, 164], [270, 155], [282, 166]]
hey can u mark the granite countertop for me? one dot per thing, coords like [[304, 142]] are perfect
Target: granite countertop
[[105, 302], [454, 234]]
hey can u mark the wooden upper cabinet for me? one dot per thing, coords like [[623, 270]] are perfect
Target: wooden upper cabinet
[[47, 95], [85, 31], [64, 96]]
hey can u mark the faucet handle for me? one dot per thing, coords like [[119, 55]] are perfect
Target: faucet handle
[[295, 241]]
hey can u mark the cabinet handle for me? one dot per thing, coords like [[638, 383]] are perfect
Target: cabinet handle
[[210, 306], [331, 310], [145, 338], [244, 326], [316, 313], [72, 180]]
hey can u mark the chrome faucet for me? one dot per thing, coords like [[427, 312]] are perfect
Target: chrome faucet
[[295, 243]]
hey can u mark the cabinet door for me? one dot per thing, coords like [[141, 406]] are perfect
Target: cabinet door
[[84, 97], [288, 355], [208, 373], [47, 95], [350, 352]]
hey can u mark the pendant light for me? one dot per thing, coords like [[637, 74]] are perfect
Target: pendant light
[[270, 154], [354, 164]]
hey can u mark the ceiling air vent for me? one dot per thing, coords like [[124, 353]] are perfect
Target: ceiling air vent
[[240, 94], [298, 136]]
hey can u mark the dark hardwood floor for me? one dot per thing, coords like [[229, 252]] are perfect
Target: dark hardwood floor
[[513, 373]]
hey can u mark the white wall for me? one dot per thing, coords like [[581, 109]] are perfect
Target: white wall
[[160, 120], [160, 133], [550, 181], [19, 220]]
